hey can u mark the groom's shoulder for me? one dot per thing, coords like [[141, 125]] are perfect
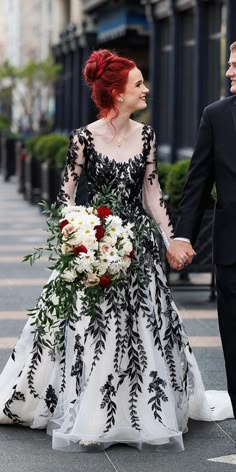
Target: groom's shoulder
[[220, 105]]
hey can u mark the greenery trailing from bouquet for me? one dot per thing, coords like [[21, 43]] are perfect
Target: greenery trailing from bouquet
[[90, 249]]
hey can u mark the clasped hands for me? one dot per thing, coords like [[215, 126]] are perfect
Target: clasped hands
[[179, 254]]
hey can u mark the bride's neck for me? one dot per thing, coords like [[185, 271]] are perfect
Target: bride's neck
[[120, 123]]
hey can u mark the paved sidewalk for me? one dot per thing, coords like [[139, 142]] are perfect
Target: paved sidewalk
[[28, 450]]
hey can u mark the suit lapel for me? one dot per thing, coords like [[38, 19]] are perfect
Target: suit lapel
[[234, 113]]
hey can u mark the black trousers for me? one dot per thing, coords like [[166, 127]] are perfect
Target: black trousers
[[226, 303]]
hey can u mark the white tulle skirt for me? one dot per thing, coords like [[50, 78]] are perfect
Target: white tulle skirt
[[128, 376]]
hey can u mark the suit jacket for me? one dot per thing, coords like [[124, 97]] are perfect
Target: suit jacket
[[213, 161]]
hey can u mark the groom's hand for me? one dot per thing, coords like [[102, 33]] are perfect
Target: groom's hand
[[179, 254]]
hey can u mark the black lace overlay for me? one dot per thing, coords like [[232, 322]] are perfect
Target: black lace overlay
[[130, 369]]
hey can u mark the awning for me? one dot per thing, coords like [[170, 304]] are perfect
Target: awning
[[117, 23]]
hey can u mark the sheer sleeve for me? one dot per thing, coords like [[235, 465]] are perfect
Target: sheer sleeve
[[75, 161], [153, 201]]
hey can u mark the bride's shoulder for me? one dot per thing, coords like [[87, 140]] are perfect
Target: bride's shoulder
[[95, 125], [144, 128]]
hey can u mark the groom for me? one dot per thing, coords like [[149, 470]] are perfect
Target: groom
[[214, 161]]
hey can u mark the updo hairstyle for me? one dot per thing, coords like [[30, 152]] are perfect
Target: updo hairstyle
[[107, 74]]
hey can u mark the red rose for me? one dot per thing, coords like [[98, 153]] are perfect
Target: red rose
[[103, 212], [132, 254], [63, 223], [105, 281], [78, 249], [100, 231]]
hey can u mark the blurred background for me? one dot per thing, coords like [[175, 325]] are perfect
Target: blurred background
[[182, 48], [180, 45]]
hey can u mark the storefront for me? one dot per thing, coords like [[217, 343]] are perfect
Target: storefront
[[121, 26], [189, 48]]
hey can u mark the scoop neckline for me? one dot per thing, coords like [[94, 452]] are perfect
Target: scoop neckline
[[107, 158]]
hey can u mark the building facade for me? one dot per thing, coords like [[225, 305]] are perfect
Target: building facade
[[181, 47], [189, 44], [120, 25]]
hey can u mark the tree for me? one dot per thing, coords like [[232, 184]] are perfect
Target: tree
[[23, 85]]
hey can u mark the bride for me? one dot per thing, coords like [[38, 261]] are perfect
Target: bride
[[129, 375]]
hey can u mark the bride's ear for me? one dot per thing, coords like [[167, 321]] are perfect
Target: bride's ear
[[117, 96]]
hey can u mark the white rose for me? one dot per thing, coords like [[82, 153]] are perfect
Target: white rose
[[75, 239], [65, 249], [125, 247], [104, 247], [128, 246], [102, 268], [92, 279], [69, 275], [90, 242], [111, 239], [125, 262]]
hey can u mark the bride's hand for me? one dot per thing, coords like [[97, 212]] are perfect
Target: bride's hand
[[179, 254]]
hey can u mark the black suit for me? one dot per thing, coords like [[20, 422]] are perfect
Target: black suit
[[214, 161]]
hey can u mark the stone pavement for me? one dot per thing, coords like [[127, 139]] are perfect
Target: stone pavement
[[28, 450]]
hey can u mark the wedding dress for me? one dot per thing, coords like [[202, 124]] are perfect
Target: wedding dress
[[128, 376]]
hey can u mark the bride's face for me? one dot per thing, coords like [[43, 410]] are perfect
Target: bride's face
[[134, 96]]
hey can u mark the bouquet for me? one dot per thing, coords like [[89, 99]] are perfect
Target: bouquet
[[95, 247], [91, 251]]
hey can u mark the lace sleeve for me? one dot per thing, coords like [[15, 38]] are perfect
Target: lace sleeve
[[153, 201], [75, 161]]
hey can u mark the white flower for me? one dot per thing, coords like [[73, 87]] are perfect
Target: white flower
[[69, 275], [109, 239], [90, 242], [66, 249], [115, 268], [84, 262], [74, 239], [125, 262], [66, 210], [91, 279], [112, 255], [90, 210], [114, 226], [102, 267], [104, 247], [128, 230], [126, 248]]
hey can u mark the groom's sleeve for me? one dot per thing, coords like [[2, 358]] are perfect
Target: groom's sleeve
[[198, 185]]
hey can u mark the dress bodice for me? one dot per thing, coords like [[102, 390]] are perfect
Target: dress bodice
[[133, 179]]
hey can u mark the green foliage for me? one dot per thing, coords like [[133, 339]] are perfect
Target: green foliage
[[57, 304], [5, 123], [60, 157], [214, 194], [47, 147], [30, 143], [40, 146], [175, 182], [163, 170], [52, 145], [27, 81]]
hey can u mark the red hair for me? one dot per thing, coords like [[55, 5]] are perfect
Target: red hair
[[107, 74]]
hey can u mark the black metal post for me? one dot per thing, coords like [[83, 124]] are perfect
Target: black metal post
[[174, 74], [88, 111], [154, 54], [201, 60], [77, 89]]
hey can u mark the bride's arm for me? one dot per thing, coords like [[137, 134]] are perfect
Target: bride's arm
[[153, 201], [75, 161]]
